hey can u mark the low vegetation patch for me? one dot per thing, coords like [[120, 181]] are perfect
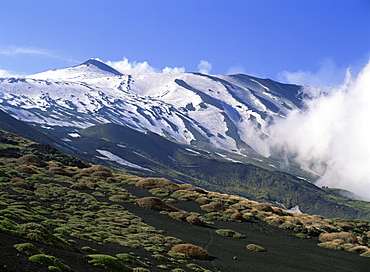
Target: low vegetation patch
[[130, 258], [213, 207], [257, 248], [150, 183], [154, 203], [50, 261], [190, 251], [27, 248], [230, 233], [108, 262]]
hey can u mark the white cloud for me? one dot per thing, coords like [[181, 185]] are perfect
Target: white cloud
[[14, 51], [175, 70], [126, 67], [331, 136], [328, 74], [5, 73], [236, 69], [204, 67]]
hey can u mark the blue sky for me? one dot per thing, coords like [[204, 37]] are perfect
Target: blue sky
[[300, 41]]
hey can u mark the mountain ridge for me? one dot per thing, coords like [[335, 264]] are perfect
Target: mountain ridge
[[226, 112]]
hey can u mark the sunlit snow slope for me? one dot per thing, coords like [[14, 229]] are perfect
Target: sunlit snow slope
[[225, 112]]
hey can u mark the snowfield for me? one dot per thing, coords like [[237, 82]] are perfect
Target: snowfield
[[224, 112]]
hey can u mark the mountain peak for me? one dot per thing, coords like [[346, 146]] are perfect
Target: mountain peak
[[92, 68], [101, 65]]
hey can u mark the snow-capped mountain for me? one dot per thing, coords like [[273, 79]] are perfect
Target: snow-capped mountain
[[219, 111]]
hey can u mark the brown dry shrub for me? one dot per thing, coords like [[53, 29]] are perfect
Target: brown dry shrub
[[190, 251], [248, 215], [181, 216], [97, 168], [58, 171], [185, 195], [20, 183], [359, 249], [194, 220], [345, 237], [190, 187], [102, 174], [264, 207], [93, 185], [202, 200], [236, 216], [30, 159], [280, 211], [213, 207], [238, 206], [274, 220], [80, 186], [27, 170], [154, 203], [151, 183], [294, 220], [230, 211]]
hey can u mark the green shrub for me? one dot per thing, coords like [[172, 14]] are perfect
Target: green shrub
[[257, 248], [49, 261], [140, 269], [302, 235], [129, 258], [159, 191], [160, 257], [230, 233], [365, 254], [108, 262], [195, 267], [8, 226], [89, 249], [176, 256], [54, 268], [27, 248], [38, 233]]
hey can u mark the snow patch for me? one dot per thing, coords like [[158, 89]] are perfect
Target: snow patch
[[111, 157], [74, 135]]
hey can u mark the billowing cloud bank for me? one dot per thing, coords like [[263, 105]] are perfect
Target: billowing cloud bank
[[331, 137]]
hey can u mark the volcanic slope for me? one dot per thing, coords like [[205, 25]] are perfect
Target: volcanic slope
[[80, 217], [150, 154]]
